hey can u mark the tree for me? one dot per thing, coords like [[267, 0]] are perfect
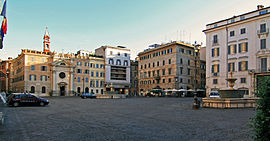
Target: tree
[[261, 121]]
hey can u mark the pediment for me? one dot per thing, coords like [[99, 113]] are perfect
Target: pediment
[[62, 63]]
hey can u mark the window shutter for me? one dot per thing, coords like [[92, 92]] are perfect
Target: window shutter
[[41, 78], [239, 66], [233, 67], [229, 67], [235, 48], [239, 50], [246, 46], [212, 68], [217, 51], [30, 77], [213, 52], [45, 77], [229, 49], [35, 77], [246, 65], [218, 68]]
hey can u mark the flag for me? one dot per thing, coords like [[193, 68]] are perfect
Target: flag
[[4, 24], [4, 11]]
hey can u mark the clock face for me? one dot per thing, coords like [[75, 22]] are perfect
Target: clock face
[[62, 75]]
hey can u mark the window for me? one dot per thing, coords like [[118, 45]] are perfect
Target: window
[[232, 49], [85, 63], [126, 63], [181, 61], [33, 67], [153, 81], [263, 64], [157, 72], [243, 30], [97, 83], [91, 83], [32, 77], [118, 62], [169, 61], [97, 65], [169, 71], [215, 52], [242, 18], [118, 53], [125, 54], [169, 80], [215, 25], [97, 74], [243, 80], [215, 39], [231, 33], [262, 28], [232, 20], [243, 47], [153, 73], [189, 71], [231, 67], [163, 62], [263, 43], [153, 64], [243, 66], [181, 70], [92, 73], [79, 71], [43, 78], [101, 66], [43, 89], [215, 68], [157, 63], [110, 62], [86, 79], [163, 71], [43, 68], [188, 62], [79, 79], [149, 74], [215, 81], [182, 50], [101, 74], [149, 81], [145, 66]]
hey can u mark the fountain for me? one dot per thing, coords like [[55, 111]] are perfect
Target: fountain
[[230, 98], [231, 93]]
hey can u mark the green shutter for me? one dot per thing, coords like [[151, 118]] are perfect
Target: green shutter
[[218, 68], [229, 49], [239, 50], [217, 51], [246, 65], [239, 66], [235, 48], [246, 46]]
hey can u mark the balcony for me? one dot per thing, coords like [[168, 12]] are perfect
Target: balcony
[[263, 31], [215, 74]]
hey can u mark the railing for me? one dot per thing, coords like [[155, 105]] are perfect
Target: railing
[[264, 31]]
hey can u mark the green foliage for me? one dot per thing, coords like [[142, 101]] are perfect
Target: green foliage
[[261, 121], [51, 93]]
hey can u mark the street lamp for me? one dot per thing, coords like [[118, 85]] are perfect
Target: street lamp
[[195, 103]]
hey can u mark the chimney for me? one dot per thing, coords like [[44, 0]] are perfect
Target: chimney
[[259, 7]]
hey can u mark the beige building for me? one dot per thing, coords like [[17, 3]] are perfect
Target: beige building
[[170, 66], [238, 47], [50, 73]]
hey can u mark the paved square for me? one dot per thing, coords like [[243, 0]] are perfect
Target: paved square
[[73, 118]]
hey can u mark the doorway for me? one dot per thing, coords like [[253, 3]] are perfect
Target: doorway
[[62, 90]]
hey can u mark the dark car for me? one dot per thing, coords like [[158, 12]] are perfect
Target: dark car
[[25, 99], [88, 95]]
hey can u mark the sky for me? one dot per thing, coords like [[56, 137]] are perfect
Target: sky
[[135, 24]]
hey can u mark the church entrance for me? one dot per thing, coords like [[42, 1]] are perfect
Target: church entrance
[[62, 90]]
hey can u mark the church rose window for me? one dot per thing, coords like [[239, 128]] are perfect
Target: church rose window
[[62, 75]]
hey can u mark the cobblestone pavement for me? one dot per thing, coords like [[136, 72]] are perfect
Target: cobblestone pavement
[[74, 119]]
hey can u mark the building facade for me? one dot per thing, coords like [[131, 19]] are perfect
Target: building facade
[[50, 73], [117, 68], [134, 87], [238, 47], [169, 66], [4, 75]]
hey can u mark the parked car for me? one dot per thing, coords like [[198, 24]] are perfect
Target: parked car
[[88, 95], [149, 95], [25, 99], [214, 94]]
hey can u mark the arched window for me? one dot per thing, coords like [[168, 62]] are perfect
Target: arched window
[[125, 63], [87, 90], [62, 64], [79, 90], [32, 89], [111, 61], [43, 89], [118, 62]]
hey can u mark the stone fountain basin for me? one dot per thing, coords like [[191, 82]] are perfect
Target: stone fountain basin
[[231, 93]]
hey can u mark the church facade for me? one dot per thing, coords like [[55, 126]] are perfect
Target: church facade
[[50, 73]]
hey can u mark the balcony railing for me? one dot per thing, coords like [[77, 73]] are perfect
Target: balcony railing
[[263, 31]]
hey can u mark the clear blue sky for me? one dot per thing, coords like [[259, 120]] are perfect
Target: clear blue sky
[[89, 24]]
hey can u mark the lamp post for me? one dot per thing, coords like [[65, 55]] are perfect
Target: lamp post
[[196, 53]]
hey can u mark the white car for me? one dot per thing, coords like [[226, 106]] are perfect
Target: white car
[[214, 94]]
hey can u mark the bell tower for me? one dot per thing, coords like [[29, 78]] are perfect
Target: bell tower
[[46, 41]]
